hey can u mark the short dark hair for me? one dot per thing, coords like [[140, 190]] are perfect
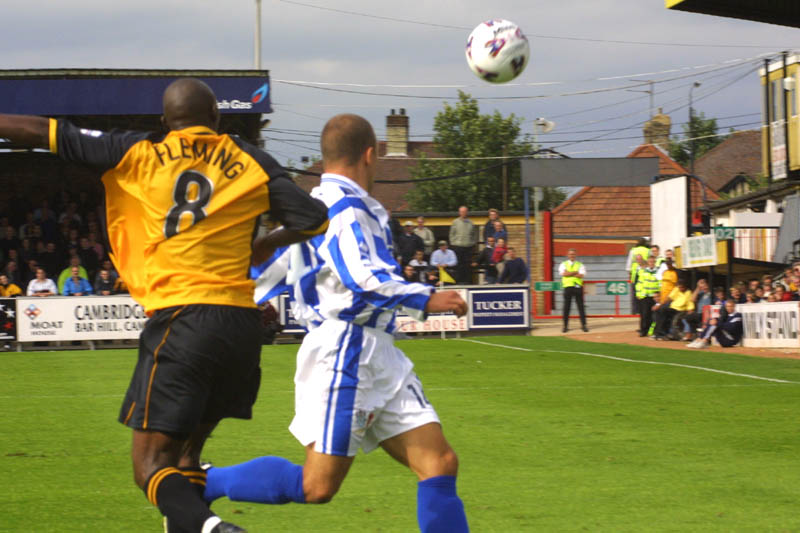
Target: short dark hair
[[345, 138]]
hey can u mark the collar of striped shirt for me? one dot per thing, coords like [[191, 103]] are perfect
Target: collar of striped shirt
[[344, 181]]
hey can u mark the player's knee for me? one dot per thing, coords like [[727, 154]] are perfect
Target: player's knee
[[448, 463], [319, 492]]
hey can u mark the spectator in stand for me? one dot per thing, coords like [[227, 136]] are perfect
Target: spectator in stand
[[71, 217], [76, 285], [781, 294], [443, 258], [488, 228], [46, 218], [486, 263], [648, 288], [12, 271], [9, 241], [98, 248], [8, 289], [73, 239], [499, 251], [419, 264], [767, 284], [701, 297], [670, 311], [51, 260], [407, 244], [89, 258], [13, 255], [753, 284], [107, 265], [750, 297], [719, 296], [104, 285], [30, 271], [736, 295], [462, 239], [74, 261], [759, 292], [41, 285], [394, 228], [26, 229], [668, 277], [426, 235], [727, 329], [500, 231], [515, 270], [26, 250], [410, 274]]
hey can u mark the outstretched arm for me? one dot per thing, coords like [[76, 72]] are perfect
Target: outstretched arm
[[26, 130]]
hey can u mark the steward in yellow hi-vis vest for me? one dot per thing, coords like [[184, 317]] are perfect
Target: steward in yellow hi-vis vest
[[182, 209], [572, 273]]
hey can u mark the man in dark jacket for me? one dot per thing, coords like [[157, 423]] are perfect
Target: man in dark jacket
[[727, 329], [408, 243], [515, 270]]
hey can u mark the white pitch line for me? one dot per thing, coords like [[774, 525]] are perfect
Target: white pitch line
[[704, 369]]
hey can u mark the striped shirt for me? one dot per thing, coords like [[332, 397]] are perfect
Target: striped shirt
[[348, 273]]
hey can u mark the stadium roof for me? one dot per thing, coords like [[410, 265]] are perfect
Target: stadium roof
[[131, 99], [781, 12]]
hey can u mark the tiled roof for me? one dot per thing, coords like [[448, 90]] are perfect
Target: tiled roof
[[617, 211], [738, 154], [392, 168]]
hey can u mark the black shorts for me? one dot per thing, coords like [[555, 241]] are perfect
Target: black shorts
[[197, 364]]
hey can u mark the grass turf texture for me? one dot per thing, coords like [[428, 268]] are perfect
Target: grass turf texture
[[548, 441]]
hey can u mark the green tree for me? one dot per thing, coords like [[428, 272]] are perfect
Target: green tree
[[703, 134], [461, 131]]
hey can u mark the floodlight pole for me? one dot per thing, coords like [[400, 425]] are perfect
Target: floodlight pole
[[257, 39]]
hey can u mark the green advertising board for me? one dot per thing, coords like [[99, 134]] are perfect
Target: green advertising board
[[617, 288], [546, 286]]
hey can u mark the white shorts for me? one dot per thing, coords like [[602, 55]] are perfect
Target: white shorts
[[354, 389]]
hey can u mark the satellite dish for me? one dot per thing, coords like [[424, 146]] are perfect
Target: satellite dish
[[544, 125]]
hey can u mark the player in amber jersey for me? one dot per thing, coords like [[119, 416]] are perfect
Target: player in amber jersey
[[182, 210]]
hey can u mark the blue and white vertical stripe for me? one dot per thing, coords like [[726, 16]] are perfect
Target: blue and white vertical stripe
[[348, 273]]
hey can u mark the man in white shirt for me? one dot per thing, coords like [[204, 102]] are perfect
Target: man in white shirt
[[572, 273], [354, 388], [41, 285]]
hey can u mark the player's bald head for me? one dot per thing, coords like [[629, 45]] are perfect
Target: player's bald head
[[345, 138], [190, 102]]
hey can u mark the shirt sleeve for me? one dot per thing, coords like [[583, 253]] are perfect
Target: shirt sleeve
[[562, 269], [94, 148], [364, 264]]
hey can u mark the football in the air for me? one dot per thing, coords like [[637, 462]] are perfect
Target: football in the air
[[497, 51]]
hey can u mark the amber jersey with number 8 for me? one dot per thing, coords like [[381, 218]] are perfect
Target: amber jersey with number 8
[[182, 207]]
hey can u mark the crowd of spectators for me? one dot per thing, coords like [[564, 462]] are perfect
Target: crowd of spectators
[[670, 309], [56, 247], [465, 257]]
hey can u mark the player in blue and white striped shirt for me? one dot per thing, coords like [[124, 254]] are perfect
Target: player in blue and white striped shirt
[[353, 388]]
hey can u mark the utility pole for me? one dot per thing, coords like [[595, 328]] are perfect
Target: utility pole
[[257, 39], [651, 92], [691, 128], [505, 177]]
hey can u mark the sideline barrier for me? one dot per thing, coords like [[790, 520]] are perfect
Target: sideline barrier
[[489, 307], [78, 318], [771, 325]]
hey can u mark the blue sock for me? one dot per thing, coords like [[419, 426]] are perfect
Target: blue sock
[[262, 480], [439, 509]]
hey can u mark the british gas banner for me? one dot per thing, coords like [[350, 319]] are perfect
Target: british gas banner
[[78, 318], [771, 325], [121, 94]]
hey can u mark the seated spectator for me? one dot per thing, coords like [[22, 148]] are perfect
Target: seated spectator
[[76, 285], [759, 293], [701, 296], [727, 329], [51, 260], [676, 306], [443, 256], [410, 274], [407, 244], [431, 277], [12, 271], [30, 271], [419, 264], [485, 263], [120, 287], [74, 261], [719, 296], [767, 284], [41, 285], [499, 252], [515, 270], [752, 285], [500, 231], [8, 289], [771, 298], [107, 265], [89, 258], [736, 295], [104, 285], [9, 241], [781, 294]]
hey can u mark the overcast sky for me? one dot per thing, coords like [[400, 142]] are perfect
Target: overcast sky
[[308, 41]]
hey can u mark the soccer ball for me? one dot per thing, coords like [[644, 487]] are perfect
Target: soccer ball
[[497, 51]]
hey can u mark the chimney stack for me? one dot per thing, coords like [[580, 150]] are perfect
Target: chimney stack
[[657, 130], [397, 133]]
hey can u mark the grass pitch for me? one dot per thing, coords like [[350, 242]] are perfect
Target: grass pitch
[[556, 435]]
